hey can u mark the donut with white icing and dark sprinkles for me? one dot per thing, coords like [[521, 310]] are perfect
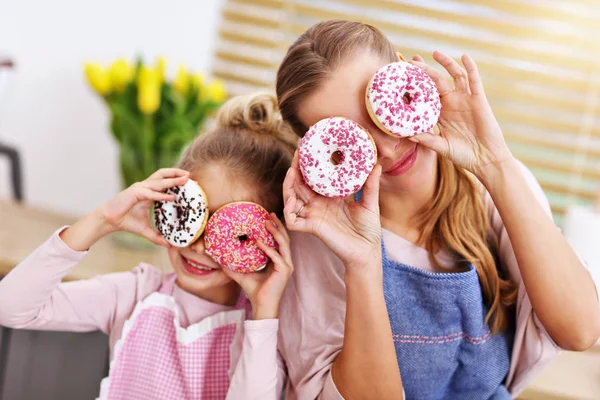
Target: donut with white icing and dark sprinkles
[[232, 233], [182, 221], [403, 100], [336, 157]]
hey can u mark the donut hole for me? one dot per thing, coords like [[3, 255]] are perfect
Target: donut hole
[[406, 98], [337, 157], [243, 238]]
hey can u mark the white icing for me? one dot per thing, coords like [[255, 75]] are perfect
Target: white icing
[[325, 138], [179, 221], [386, 92]]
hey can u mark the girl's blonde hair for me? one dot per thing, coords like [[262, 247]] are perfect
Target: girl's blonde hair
[[254, 144], [456, 219]]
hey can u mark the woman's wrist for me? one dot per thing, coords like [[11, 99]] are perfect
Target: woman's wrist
[[365, 271], [495, 176]]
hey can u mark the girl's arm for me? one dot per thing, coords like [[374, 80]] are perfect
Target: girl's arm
[[31, 295], [560, 288], [259, 373]]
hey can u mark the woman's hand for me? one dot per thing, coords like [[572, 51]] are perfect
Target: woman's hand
[[128, 211], [352, 230], [264, 288], [469, 133]]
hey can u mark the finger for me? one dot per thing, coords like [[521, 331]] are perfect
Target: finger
[[155, 237], [293, 221], [236, 276], [160, 185], [148, 194], [289, 188], [279, 263], [458, 73], [473, 73], [283, 241], [440, 80], [169, 173], [370, 197], [434, 142], [418, 58], [280, 226], [301, 189]]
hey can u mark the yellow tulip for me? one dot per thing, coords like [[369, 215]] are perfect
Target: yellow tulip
[[182, 80], [148, 76], [121, 73], [161, 68], [215, 92], [197, 80], [98, 78], [148, 98]]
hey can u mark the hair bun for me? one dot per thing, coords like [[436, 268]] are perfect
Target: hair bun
[[254, 112]]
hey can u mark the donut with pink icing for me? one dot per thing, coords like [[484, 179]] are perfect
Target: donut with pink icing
[[336, 157], [231, 235], [403, 100]]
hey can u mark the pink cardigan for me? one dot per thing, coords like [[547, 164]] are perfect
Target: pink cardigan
[[313, 307], [33, 297]]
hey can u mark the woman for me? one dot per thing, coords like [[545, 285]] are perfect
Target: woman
[[468, 291]]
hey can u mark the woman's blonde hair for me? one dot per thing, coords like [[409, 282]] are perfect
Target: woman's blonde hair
[[456, 218], [254, 144]]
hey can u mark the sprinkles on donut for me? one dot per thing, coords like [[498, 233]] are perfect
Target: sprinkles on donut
[[403, 100], [336, 157], [232, 233], [182, 221]]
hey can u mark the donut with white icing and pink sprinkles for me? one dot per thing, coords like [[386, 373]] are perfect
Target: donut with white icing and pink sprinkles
[[336, 157], [232, 233], [403, 100], [182, 221]]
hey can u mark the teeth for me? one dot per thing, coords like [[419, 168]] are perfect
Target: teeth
[[195, 265]]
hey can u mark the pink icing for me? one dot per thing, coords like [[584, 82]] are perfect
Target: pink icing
[[386, 92], [231, 235], [357, 161]]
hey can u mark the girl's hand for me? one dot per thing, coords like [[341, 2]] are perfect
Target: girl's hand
[[469, 133], [264, 288], [129, 210], [352, 230]]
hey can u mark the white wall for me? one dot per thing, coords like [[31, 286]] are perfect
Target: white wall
[[60, 126]]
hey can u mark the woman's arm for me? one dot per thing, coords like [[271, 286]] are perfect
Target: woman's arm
[[367, 366], [560, 288]]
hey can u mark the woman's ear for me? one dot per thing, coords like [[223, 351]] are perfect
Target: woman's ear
[[401, 57]]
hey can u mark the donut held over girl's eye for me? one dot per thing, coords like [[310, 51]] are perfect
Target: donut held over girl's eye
[[182, 221], [232, 233]]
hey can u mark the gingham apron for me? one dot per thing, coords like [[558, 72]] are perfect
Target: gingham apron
[[158, 359]]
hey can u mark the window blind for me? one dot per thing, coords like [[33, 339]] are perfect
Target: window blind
[[539, 61]]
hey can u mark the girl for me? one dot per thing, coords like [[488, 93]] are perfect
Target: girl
[[245, 158], [434, 283]]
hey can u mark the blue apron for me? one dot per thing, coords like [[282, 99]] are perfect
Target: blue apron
[[444, 349]]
